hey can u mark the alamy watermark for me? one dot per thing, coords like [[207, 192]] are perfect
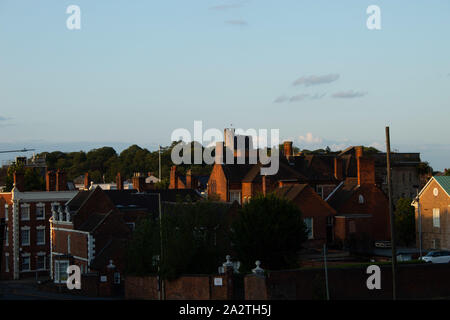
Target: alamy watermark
[[238, 146]]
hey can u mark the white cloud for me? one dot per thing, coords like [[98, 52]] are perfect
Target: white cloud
[[309, 138], [349, 94]]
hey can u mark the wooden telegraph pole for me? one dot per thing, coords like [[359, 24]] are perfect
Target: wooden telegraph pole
[[391, 214]]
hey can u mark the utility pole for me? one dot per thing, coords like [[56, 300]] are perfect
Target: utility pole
[[159, 163], [161, 285], [326, 270], [391, 214]]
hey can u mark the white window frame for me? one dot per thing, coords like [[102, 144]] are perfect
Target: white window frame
[[27, 207], [238, 198], [40, 228], [29, 236], [58, 264], [361, 199], [310, 230], [6, 212], [40, 205], [25, 256], [436, 218], [40, 255]]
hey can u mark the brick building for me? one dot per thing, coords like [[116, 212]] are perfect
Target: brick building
[[27, 247], [434, 205], [316, 213], [362, 207]]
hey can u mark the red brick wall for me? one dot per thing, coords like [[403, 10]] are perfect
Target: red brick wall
[[218, 178]]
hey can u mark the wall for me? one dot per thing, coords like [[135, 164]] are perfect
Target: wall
[[190, 287], [414, 282]]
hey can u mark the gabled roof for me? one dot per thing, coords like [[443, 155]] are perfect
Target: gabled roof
[[93, 221], [236, 172], [343, 192], [444, 182], [76, 202], [290, 192]]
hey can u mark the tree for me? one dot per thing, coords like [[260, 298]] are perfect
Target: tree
[[32, 179], [195, 240], [446, 172], [268, 229], [405, 222]]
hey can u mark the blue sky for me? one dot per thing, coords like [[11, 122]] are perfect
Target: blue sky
[[137, 70]]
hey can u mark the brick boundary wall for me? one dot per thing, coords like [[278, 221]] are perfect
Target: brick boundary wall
[[421, 281], [189, 287]]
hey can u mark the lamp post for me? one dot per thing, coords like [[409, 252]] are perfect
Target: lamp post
[[419, 218]]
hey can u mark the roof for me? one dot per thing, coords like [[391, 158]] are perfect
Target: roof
[[76, 202], [290, 192], [131, 199], [93, 221], [444, 182], [236, 172], [343, 193]]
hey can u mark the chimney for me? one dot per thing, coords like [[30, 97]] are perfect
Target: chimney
[[138, 182], [173, 178], [119, 181], [50, 181], [264, 185], [189, 179], [358, 151], [366, 171], [61, 181], [19, 181], [86, 181], [338, 166], [287, 147]]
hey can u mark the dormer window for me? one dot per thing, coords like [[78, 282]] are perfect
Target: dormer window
[[361, 199]]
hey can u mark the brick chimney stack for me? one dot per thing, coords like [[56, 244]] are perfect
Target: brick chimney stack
[[19, 181], [189, 179], [50, 181], [86, 181], [264, 185], [173, 178], [359, 151], [366, 171], [338, 166], [138, 182], [61, 180], [287, 147], [119, 181]]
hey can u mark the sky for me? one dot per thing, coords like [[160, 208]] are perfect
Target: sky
[[137, 70]]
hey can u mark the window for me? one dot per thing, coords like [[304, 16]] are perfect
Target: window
[[40, 262], [309, 227], [235, 196], [131, 225], [319, 190], [6, 262], [68, 243], [6, 212], [436, 218], [116, 278], [435, 192], [25, 236], [25, 212], [6, 236], [26, 263], [40, 211], [436, 243], [361, 199], [40, 235], [61, 271]]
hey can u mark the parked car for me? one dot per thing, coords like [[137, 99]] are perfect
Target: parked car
[[437, 257]]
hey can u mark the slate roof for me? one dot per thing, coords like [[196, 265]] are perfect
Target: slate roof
[[290, 192], [131, 199], [345, 191], [93, 221], [76, 202], [444, 182]]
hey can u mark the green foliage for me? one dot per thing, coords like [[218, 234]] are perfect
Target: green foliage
[[405, 222], [446, 172], [32, 179], [194, 240], [268, 229], [103, 164]]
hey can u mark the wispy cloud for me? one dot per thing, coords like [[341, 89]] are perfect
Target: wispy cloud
[[350, 94], [316, 80], [223, 7], [241, 23], [299, 97]]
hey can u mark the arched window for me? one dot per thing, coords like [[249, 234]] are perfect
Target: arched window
[[361, 199]]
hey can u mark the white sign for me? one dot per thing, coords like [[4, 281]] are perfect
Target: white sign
[[103, 279], [218, 282]]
